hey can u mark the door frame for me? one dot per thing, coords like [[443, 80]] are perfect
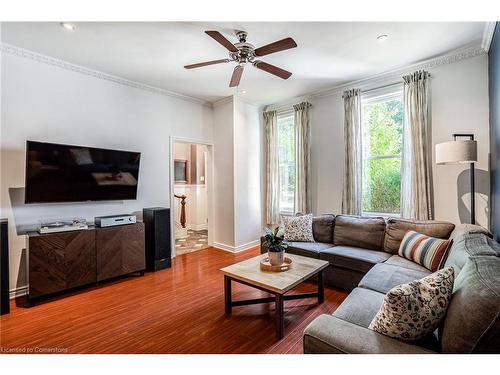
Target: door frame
[[209, 182]]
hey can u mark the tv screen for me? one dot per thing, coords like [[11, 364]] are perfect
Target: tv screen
[[66, 173]]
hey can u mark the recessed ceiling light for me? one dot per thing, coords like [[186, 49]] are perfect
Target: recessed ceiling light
[[68, 26], [382, 37], [243, 92]]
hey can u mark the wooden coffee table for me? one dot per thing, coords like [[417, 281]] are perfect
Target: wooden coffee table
[[248, 272]]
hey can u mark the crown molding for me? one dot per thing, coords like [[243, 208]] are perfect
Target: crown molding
[[388, 77], [396, 74], [489, 30], [288, 104], [225, 100], [38, 57]]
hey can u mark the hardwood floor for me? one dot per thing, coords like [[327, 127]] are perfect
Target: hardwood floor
[[178, 310]]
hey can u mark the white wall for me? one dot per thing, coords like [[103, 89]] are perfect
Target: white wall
[[47, 103], [327, 154], [247, 173], [459, 95], [223, 175], [460, 104], [182, 151], [238, 167]]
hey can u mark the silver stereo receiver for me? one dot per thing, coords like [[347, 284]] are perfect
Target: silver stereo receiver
[[62, 225], [114, 220]]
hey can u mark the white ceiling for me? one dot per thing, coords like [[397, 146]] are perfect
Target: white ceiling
[[328, 53]]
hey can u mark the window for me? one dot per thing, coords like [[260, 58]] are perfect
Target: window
[[382, 121], [286, 143]]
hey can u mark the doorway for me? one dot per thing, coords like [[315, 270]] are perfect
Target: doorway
[[191, 192]]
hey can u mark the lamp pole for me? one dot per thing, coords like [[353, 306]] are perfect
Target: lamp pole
[[472, 180]]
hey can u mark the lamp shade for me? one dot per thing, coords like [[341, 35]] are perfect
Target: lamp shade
[[456, 152]]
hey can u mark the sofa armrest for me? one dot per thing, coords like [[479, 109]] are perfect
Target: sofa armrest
[[329, 334]]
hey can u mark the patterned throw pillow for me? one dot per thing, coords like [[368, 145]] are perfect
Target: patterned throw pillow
[[427, 251], [298, 228], [412, 311]]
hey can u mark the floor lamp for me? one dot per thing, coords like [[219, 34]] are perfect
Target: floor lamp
[[460, 151]]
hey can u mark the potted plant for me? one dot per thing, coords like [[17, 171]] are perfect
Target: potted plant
[[276, 246]]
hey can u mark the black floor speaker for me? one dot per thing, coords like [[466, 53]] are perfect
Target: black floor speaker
[[158, 238], [4, 267]]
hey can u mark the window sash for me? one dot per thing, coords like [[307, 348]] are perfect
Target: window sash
[[368, 100], [286, 116], [378, 157]]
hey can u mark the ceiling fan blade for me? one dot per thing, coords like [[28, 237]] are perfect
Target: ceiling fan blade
[[236, 77], [207, 63], [280, 45], [282, 73], [222, 40]]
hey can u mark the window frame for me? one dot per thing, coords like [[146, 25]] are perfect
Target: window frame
[[377, 96], [280, 115]]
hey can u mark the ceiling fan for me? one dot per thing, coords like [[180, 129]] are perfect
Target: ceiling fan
[[244, 52]]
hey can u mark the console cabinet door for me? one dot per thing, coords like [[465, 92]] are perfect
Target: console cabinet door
[[80, 260], [60, 261], [120, 250]]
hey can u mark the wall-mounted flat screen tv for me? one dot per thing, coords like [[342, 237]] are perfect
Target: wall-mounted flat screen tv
[[66, 173]]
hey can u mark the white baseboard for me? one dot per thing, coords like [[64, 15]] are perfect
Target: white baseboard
[[236, 249], [18, 292]]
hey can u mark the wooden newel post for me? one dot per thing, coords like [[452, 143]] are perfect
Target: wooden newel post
[[183, 209]]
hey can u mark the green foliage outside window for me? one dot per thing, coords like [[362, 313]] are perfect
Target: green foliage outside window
[[286, 141], [382, 143]]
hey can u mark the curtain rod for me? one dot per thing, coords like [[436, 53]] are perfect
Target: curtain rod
[[389, 85], [382, 87]]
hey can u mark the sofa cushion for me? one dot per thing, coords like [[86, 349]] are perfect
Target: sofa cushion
[[342, 278], [467, 245], [494, 245], [397, 228], [308, 249], [360, 307], [383, 277], [414, 310], [396, 260], [462, 229], [365, 232], [330, 335], [429, 252], [354, 258], [472, 324], [323, 228]]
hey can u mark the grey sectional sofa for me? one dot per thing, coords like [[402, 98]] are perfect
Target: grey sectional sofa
[[363, 258]]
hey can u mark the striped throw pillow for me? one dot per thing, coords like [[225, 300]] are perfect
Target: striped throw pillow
[[427, 251]]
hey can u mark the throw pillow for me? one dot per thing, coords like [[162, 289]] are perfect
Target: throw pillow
[[427, 251], [298, 228], [412, 311]]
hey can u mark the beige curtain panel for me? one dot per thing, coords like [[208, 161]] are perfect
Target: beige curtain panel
[[272, 169], [351, 192], [416, 187], [303, 158]]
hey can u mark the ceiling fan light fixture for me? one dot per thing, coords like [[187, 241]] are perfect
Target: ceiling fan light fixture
[[67, 26], [243, 53]]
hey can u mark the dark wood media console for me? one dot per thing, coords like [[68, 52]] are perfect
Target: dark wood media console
[[66, 260]]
